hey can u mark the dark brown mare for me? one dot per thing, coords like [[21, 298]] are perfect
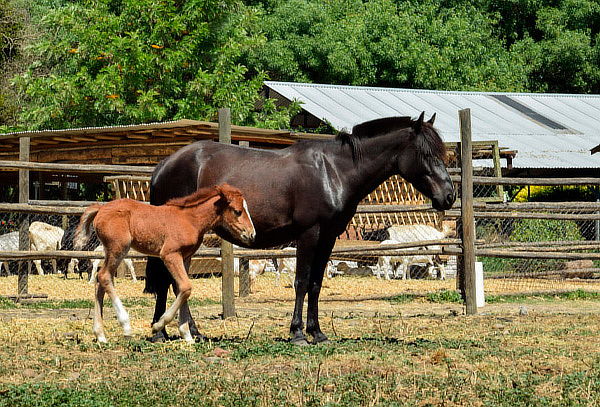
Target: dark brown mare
[[173, 232], [306, 192]]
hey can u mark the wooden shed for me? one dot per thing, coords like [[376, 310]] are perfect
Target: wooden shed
[[147, 144], [144, 144]]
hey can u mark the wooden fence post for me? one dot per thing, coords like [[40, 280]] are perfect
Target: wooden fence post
[[244, 262], [227, 280], [467, 215], [23, 271]]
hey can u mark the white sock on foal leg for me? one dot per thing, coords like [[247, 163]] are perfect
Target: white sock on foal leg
[[122, 315]]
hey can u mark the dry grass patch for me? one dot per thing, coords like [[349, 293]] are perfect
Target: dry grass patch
[[382, 352]]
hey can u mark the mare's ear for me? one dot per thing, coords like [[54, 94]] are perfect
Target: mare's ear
[[419, 123], [430, 121]]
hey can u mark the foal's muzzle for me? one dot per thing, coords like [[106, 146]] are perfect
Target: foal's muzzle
[[248, 236]]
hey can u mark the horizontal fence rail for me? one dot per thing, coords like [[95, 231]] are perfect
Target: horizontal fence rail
[[530, 181], [76, 168]]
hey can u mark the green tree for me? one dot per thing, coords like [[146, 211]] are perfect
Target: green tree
[[111, 62], [566, 58], [386, 43], [12, 22]]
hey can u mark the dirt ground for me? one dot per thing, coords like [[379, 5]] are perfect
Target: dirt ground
[[274, 298], [413, 351]]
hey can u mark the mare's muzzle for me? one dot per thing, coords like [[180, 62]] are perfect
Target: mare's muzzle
[[445, 202]]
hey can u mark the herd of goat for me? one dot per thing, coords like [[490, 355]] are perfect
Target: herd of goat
[[44, 237]]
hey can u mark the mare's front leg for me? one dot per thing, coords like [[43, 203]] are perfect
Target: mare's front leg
[[185, 315], [174, 263], [312, 256], [320, 259]]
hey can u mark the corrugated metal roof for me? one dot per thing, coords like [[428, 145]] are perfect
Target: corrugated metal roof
[[547, 130]]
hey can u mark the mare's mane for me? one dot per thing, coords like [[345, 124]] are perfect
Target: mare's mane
[[429, 145], [197, 198]]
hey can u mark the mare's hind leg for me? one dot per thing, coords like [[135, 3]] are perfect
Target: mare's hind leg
[[174, 263], [105, 283], [162, 281]]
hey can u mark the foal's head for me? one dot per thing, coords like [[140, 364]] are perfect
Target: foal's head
[[235, 216]]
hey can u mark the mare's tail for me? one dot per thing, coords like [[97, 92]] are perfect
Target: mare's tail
[[84, 229]]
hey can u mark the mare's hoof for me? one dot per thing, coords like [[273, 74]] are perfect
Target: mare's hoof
[[320, 338], [199, 338], [300, 341], [158, 337]]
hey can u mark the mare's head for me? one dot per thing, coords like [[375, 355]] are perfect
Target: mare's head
[[420, 155], [235, 217], [422, 162]]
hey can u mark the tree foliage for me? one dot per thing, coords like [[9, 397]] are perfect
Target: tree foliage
[[487, 45], [385, 43], [110, 62]]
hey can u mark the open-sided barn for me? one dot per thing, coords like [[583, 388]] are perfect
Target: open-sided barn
[[551, 134]]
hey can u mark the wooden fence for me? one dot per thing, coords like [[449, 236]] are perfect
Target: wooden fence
[[466, 211]]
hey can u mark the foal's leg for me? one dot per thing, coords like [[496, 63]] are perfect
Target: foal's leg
[[98, 328], [174, 263], [105, 284]]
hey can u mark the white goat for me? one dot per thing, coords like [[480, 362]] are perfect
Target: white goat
[[8, 242], [74, 263], [256, 267], [43, 236], [287, 266], [399, 266]]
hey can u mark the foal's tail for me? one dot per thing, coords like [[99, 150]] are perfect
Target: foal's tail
[[84, 229]]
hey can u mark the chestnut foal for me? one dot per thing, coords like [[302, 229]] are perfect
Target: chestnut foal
[[172, 231]]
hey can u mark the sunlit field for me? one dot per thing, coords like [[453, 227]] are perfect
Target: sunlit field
[[392, 343]]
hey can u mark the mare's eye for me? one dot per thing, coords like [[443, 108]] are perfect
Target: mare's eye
[[237, 212]]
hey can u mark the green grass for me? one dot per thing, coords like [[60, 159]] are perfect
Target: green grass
[[542, 361], [212, 386], [6, 303], [453, 296]]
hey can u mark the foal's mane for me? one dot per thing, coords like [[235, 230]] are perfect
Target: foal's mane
[[199, 197], [429, 145]]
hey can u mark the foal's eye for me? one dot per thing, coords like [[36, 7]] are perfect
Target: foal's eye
[[237, 212]]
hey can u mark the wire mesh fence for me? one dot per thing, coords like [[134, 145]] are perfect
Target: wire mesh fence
[[546, 245], [557, 244]]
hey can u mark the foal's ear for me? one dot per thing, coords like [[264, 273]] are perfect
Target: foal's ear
[[223, 192], [419, 123], [430, 121]]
